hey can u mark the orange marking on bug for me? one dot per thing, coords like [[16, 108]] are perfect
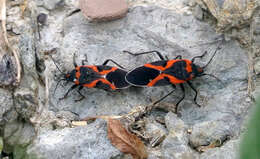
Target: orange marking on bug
[[113, 87], [77, 75], [190, 78], [77, 82], [91, 85], [173, 79], [188, 65], [170, 63], [154, 81], [104, 72], [200, 69], [160, 68], [77, 68], [94, 68], [94, 83]]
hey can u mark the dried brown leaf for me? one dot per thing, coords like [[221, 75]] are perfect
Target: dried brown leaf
[[123, 140], [23, 6]]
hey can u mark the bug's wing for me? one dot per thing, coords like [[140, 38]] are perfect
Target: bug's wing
[[145, 76], [117, 77]]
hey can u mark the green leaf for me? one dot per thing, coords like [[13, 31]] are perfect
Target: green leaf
[[250, 146]]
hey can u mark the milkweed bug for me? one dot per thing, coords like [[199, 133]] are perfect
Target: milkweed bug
[[94, 76], [168, 72]]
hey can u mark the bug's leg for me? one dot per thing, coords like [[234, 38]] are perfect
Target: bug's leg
[[178, 57], [74, 61], [199, 57], [66, 94], [174, 88], [143, 53], [85, 60], [81, 95], [196, 93], [105, 63], [183, 96]]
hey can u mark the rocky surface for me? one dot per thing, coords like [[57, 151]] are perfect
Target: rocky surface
[[227, 151], [38, 122], [6, 101], [71, 143]]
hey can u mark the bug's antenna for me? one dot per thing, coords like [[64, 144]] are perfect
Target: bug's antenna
[[205, 74], [56, 65], [58, 84], [218, 48]]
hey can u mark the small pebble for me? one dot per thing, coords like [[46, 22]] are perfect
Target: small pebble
[[41, 18], [103, 10]]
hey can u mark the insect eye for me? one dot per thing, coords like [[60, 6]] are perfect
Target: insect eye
[[200, 69]]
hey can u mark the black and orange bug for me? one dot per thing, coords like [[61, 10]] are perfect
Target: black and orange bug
[[94, 76], [168, 72]]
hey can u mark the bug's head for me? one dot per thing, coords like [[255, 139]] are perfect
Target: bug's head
[[70, 76], [197, 71]]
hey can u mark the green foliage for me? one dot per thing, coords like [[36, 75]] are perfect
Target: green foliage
[[250, 146], [1, 144]]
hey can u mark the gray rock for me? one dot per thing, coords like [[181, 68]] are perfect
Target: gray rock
[[227, 14], [72, 143], [7, 70], [52, 4], [197, 12], [17, 136], [206, 133], [227, 151], [25, 103], [174, 123], [100, 43], [171, 32], [144, 29], [175, 146], [6, 101], [176, 143], [155, 131], [257, 65]]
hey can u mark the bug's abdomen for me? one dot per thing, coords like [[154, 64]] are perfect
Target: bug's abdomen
[[142, 76], [117, 77]]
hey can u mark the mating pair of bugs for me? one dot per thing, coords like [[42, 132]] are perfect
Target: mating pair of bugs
[[158, 73]]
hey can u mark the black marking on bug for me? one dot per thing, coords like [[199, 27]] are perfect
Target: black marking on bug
[[103, 86], [162, 63], [70, 76], [118, 78], [178, 70], [141, 76], [103, 67], [162, 82], [87, 75]]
